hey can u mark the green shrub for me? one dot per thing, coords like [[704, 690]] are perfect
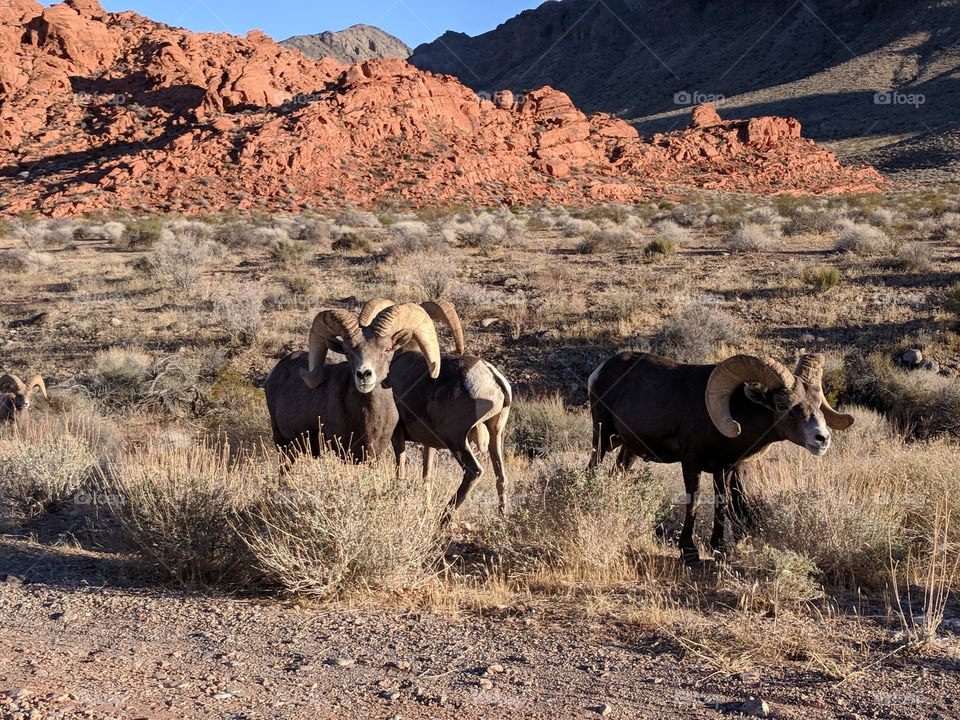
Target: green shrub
[[660, 246], [352, 242], [288, 253], [542, 428], [142, 234]]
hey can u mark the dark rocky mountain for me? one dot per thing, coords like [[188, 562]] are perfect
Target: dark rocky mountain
[[863, 75], [355, 44]]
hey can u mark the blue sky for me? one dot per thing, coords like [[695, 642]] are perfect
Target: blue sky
[[413, 21]]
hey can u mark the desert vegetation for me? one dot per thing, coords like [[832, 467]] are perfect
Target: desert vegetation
[[154, 336]]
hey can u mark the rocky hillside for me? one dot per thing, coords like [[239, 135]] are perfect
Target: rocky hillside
[[102, 111], [355, 44], [647, 60]]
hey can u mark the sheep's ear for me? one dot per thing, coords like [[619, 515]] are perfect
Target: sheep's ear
[[401, 338], [758, 394], [336, 345]]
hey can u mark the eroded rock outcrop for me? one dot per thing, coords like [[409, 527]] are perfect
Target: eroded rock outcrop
[[111, 110]]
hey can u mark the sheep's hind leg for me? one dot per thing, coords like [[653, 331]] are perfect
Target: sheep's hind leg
[[471, 473], [720, 509]]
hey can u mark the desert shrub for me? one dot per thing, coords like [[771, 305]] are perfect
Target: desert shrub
[[810, 222], [120, 373], [5, 228], [40, 471], [288, 253], [752, 237], [358, 219], [862, 239], [433, 275], [486, 230], [769, 578], [689, 215], [179, 261], [672, 232], [238, 310], [142, 234], [337, 528], [238, 412], [602, 214], [660, 246], [111, 232], [348, 241], [413, 236], [951, 299], [921, 404], [300, 286], [610, 238], [820, 278], [765, 216], [912, 256], [544, 427], [585, 524], [315, 231], [945, 227], [182, 508], [698, 334], [577, 227], [21, 260]]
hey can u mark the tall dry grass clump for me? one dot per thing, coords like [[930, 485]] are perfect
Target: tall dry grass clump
[[44, 466], [865, 504], [334, 528], [545, 427], [573, 524], [184, 508]]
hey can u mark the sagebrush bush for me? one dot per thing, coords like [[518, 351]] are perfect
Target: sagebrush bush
[[544, 427], [862, 239], [810, 222], [768, 579], [179, 261], [586, 524], [673, 233], [43, 468], [335, 528], [120, 373], [358, 219], [698, 334], [413, 236], [185, 509], [486, 230], [288, 253], [238, 310], [142, 234], [753, 237], [610, 238], [660, 246], [238, 411], [350, 241]]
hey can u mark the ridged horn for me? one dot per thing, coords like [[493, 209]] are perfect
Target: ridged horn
[[731, 374], [327, 324], [444, 311], [372, 308], [810, 369], [36, 383], [835, 420], [11, 380], [415, 319]]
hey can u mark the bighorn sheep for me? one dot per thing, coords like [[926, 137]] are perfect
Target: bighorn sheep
[[709, 418], [15, 397], [469, 403], [348, 405]]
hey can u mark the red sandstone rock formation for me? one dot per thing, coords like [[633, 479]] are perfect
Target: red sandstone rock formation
[[111, 110]]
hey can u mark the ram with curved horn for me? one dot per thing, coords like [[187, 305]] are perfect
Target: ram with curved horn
[[468, 404], [349, 405], [709, 418], [16, 396]]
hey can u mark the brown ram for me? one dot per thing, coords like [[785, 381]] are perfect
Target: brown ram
[[15, 398]]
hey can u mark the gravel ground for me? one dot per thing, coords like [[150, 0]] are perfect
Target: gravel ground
[[86, 634]]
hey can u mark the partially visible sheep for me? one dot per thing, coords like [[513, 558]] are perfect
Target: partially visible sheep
[[15, 397]]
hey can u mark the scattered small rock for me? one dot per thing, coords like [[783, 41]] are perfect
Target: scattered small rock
[[390, 695], [486, 683], [912, 357], [604, 710], [755, 707], [223, 696], [494, 669], [116, 322], [341, 662], [14, 580], [489, 321]]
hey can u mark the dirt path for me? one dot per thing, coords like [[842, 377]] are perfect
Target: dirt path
[[71, 646]]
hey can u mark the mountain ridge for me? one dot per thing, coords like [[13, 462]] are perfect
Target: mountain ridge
[[351, 45]]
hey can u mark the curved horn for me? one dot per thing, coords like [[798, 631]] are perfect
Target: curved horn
[[731, 374], [327, 324], [810, 369], [416, 320], [835, 420], [372, 308], [8, 380], [36, 382], [444, 311]]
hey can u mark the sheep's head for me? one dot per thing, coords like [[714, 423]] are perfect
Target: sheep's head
[[369, 350], [18, 396], [440, 310], [802, 413]]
